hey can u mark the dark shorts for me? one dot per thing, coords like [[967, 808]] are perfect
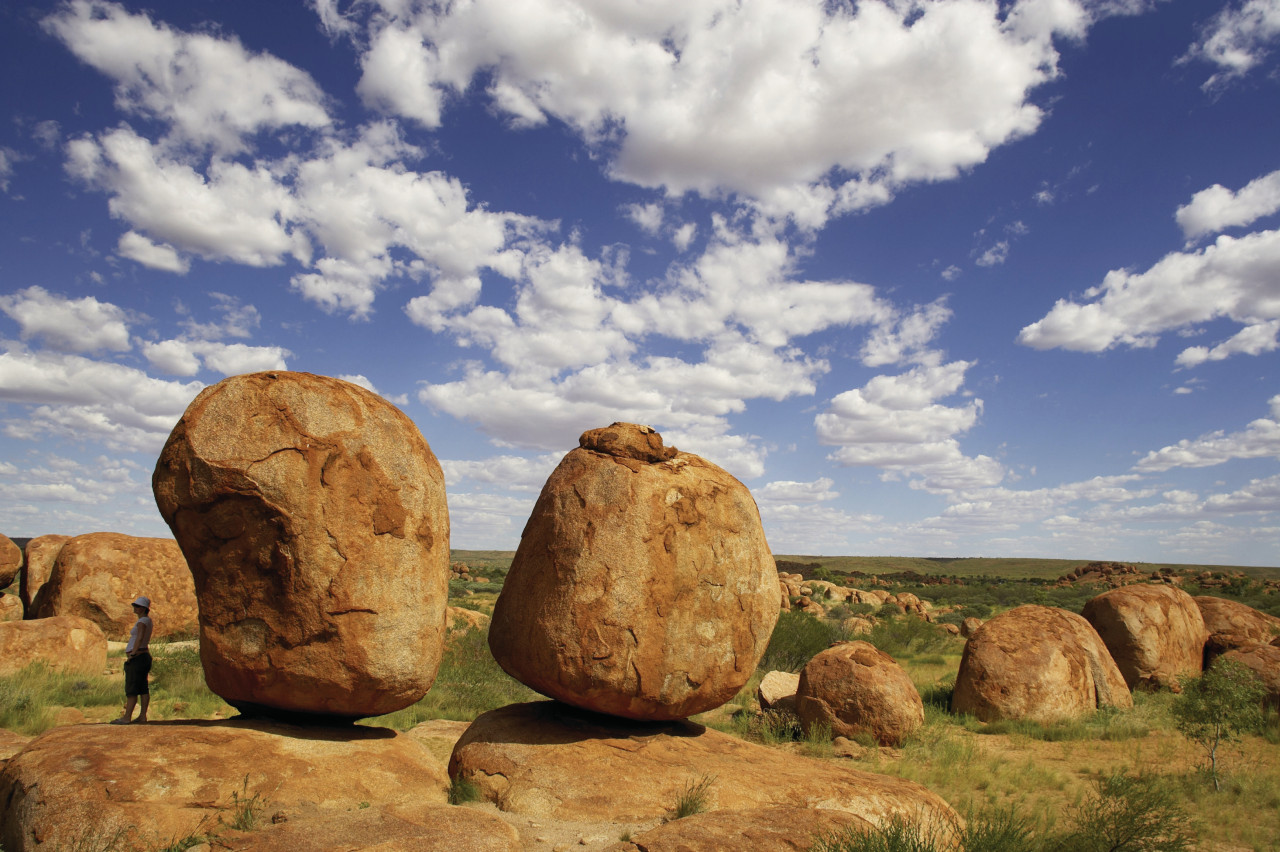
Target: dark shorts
[[136, 670]]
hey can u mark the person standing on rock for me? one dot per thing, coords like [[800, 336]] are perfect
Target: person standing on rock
[[138, 664]]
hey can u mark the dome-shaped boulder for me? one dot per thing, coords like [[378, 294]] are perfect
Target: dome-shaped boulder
[[855, 688], [1155, 633]]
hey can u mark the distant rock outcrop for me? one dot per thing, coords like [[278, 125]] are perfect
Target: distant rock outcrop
[[545, 759], [80, 787], [41, 555], [10, 561], [313, 516], [1155, 633], [1039, 663], [643, 586], [64, 643], [855, 688], [98, 576]]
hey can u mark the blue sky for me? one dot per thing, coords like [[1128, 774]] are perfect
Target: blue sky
[[950, 278]]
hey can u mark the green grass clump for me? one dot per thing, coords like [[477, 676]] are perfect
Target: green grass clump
[[470, 682], [28, 696], [694, 798], [462, 790], [796, 639]]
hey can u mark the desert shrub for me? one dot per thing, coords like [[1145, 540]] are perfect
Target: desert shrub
[[1219, 706], [907, 635], [1108, 723], [694, 797], [796, 639], [1126, 814], [470, 682]]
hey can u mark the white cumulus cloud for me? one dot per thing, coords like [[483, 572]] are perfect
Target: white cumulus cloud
[[67, 325], [1238, 39], [1217, 208]]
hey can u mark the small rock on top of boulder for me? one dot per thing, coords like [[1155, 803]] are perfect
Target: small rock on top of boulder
[[643, 585], [855, 688], [1155, 633], [10, 561], [99, 575], [313, 516], [1037, 662]]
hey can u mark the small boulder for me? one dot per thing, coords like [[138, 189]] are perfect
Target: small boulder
[[548, 760], [855, 688], [643, 585], [768, 829], [777, 691], [98, 576], [313, 516], [42, 554], [144, 785], [64, 643], [10, 561], [1155, 633], [970, 626], [1039, 663], [1264, 661], [462, 619], [10, 607]]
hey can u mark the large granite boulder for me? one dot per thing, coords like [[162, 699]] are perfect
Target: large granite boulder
[[145, 785], [1039, 663], [42, 554], [643, 585], [1155, 633], [768, 829], [548, 760], [64, 643], [1264, 661], [855, 688], [10, 561], [313, 516], [1232, 625], [98, 576]]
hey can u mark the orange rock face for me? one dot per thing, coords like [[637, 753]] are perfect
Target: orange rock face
[[1235, 619], [10, 561], [643, 586], [42, 554], [64, 643], [1155, 633], [313, 516], [1040, 663], [854, 688], [776, 829], [98, 576], [78, 787], [544, 759]]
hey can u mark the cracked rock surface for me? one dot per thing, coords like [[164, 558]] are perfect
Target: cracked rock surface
[[643, 586], [312, 514]]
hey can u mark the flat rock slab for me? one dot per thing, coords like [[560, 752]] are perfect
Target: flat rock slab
[[145, 785], [777, 829], [546, 759], [433, 828]]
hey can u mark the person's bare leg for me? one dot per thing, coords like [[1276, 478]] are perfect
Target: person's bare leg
[[144, 701], [130, 701]]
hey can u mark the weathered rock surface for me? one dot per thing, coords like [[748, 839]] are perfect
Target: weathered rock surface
[[770, 829], [970, 626], [42, 554], [98, 576], [10, 561], [151, 783], [433, 828], [10, 744], [1264, 661], [10, 608], [777, 691], [643, 585], [855, 688], [462, 619], [313, 516], [1040, 663], [1155, 633], [1232, 618], [545, 759], [65, 643]]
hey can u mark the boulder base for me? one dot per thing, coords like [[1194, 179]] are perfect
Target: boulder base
[[643, 585], [855, 688], [98, 576], [1154, 632], [546, 759], [313, 515], [64, 643], [429, 828], [1037, 662], [148, 784]]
